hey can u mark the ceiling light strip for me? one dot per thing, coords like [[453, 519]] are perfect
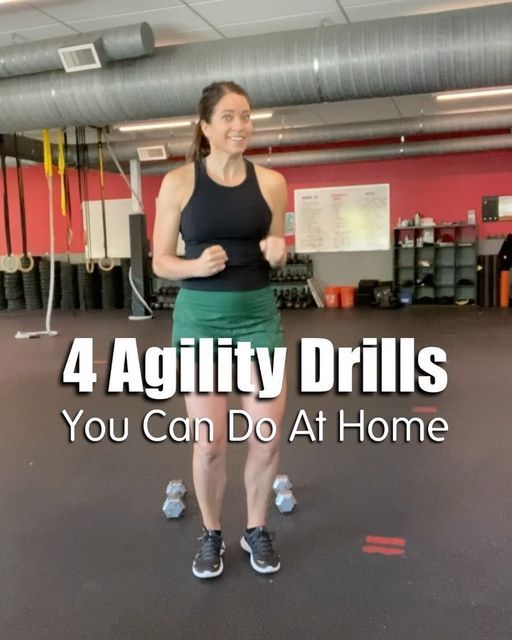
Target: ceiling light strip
[[480, 93]]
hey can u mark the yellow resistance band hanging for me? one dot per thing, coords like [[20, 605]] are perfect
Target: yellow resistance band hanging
[[64, 204], [61, 167], [47, 154]]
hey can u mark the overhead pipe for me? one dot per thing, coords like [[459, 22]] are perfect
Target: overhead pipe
[[423, 125], [28, 148], [31, 150], [119, 43], [361, 154], [415, 54]]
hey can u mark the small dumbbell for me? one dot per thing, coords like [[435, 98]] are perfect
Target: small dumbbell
[[285, 500], [174, 506], [281, 483]]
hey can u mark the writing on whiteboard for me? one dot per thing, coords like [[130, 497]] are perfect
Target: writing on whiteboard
[[352, 218]]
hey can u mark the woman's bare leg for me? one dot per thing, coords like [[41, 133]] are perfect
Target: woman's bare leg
[[209, 459], [262, 457]]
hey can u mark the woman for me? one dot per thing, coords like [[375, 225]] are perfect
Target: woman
[[230, 214]]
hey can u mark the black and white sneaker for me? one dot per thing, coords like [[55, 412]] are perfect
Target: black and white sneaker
[[258, 542], [208, 559]]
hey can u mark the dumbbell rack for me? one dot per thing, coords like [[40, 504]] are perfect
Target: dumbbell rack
[[164, 297], [290, 283]]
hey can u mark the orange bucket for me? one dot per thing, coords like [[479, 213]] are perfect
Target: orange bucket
[[332, 297], [504, 289], [347, 295]]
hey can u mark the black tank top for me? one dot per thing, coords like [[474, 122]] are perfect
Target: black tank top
[[236, 218]]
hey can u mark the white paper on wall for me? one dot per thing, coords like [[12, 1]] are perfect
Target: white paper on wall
[[117, 223], [352, 218]]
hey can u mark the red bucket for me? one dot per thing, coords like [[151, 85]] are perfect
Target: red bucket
[[504, 289], [332, 297], [347, 295]]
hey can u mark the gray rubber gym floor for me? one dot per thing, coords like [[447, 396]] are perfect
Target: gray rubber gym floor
[[86, 553]]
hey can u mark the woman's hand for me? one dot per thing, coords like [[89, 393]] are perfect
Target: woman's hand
[[274, 250], [211, 261]]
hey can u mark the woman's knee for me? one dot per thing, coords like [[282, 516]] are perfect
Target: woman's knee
[[265, 452], [210, 452]]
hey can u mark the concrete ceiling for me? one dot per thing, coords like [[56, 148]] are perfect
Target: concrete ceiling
[[188, 21]]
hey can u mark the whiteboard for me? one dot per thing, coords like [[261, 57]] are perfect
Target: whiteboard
[[117, 217], [505, 207], [342, 219]]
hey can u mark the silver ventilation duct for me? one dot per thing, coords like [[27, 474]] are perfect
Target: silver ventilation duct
[[425, 125], [411, 55], [360, 154], [132, 41], [31, 149], [28, 148]]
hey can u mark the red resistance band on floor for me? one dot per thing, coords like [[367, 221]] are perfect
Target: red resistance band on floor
[[375, 544], [384, 551], [424, 410], [398, 542]]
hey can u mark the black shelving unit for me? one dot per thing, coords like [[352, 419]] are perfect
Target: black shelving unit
[[436, 264]]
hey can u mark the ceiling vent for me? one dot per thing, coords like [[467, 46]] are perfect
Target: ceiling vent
[[158, 152], [82, 57]]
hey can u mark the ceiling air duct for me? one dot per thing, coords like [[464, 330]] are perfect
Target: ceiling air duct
[[77, 51], [410, 55]]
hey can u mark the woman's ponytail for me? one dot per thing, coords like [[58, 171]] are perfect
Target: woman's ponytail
[[200, 147]]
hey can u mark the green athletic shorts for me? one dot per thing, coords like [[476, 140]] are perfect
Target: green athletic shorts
[[249, 316]]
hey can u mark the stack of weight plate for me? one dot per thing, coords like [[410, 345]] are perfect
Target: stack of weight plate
[[107, 290], [127, 289], [118, 286], [68, 286], [89, 288], [13, 283], [365, 294], [44, 278], [3, 300], [112, 289], [93, 289], [81, 280], [32, 285]]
